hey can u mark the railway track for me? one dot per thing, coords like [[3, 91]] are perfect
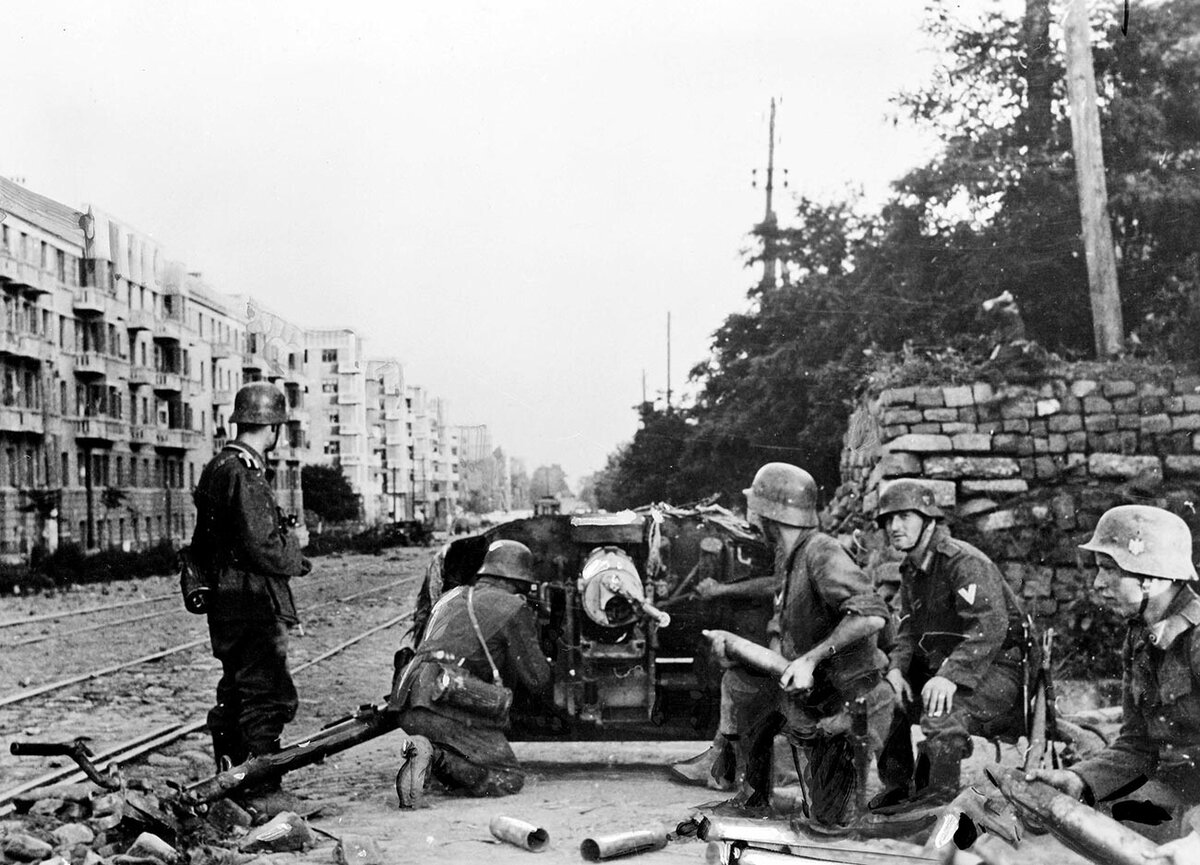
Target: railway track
[[147, 701]]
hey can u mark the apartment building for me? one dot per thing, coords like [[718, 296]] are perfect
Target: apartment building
[[389, 465], [434, 476], [338, 399]]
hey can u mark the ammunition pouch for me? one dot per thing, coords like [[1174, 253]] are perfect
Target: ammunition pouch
[[194, 583]]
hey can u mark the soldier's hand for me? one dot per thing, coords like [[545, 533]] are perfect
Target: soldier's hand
[[900, 685], [938, 696], [717, 640], [1063, 780], [708, 589], [799, 675], [1183, 851]]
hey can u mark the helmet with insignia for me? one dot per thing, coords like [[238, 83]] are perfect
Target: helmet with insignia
[[1144, 540], [784, 493], [259, 403], [907, 495], [511, 560]]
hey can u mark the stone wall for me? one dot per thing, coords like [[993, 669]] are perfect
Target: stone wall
[[1025, 470]]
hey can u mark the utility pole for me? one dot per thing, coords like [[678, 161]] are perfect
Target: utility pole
[[769, 227], [1107, 324], [668, 361]]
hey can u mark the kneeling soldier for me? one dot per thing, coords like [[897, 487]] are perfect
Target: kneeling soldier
[[957, 664], [480, 637]]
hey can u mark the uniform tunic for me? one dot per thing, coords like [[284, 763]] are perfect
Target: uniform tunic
[[475, 755], [821, 585], [959, 620], [1160, 729], [240, 539]]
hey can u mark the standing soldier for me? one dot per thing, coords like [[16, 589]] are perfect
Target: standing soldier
[[478, 637], [1149, 774], [957, 665], [827, 617], [242, 542]]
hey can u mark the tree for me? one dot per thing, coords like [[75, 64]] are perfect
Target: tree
[[549, 481], [328, 494]]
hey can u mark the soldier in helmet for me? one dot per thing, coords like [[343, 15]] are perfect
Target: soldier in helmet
[[242, 542], [957, 664], [1149, 776], [483, 633], [826, 622]]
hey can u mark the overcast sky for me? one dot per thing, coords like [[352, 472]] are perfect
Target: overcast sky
[[508, 196]]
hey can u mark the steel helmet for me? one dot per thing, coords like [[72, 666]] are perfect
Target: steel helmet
[[907, 495], [1146, 541], [511, 560], [784, 493], [259, 403]]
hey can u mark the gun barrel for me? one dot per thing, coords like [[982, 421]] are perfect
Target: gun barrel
[[749, 653]]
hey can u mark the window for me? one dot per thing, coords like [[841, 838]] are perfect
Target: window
[[329, 355], [329, 387], [333, 448]]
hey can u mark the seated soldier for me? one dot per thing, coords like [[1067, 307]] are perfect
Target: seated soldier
[[957, 664], [1149, 774], [488, 632]]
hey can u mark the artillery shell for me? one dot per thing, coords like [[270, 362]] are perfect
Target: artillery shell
[[518, 832], [623, 844]]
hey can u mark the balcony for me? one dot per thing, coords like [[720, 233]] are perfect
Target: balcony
[[393, 414], [222, 397], [26, 420], [168, 382], [350, 459], [101, 429], [177, 439], [140, 375], [140, 433], [349, 367], [91, 363], [90, 301], [168, 328], [139, 319], [252, 362], [221, 350], [349, 397], [28, 345], [24, 276]]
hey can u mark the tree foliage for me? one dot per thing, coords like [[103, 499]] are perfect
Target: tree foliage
[[995, 210], [328, 494]]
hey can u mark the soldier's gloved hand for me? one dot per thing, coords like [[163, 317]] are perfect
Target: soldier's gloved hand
[[938, 696], [305, 567], [1183, 851], [900, 685], [709, 589], [1063, 780], [799, 675]]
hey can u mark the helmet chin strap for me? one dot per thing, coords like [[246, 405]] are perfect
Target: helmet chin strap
[[1144, 584], [926, 528]]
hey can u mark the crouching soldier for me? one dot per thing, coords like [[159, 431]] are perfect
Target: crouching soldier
[[826, 622], [454, 696], [957, 664], [1149, 775]]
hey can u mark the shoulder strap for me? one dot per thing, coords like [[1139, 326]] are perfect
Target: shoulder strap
[[479, 633]]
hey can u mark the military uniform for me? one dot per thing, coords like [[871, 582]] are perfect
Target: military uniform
[[959, 620], [821, 586], [474, 756], [241, 541], [1156, 757]]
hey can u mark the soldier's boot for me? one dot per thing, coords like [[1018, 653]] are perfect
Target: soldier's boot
[[716, 767], [418, 758], [937, 779], [228, 749], [266, 797]]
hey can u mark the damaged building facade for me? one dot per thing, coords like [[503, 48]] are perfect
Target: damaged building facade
[[119, 369]]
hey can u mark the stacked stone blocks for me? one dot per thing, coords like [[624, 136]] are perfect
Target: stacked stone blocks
[[1025, 470]]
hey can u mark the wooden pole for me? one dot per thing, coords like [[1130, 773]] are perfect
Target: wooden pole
[[1107, 324]]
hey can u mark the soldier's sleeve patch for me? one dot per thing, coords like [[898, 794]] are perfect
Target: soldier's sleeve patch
[[968, 594]]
